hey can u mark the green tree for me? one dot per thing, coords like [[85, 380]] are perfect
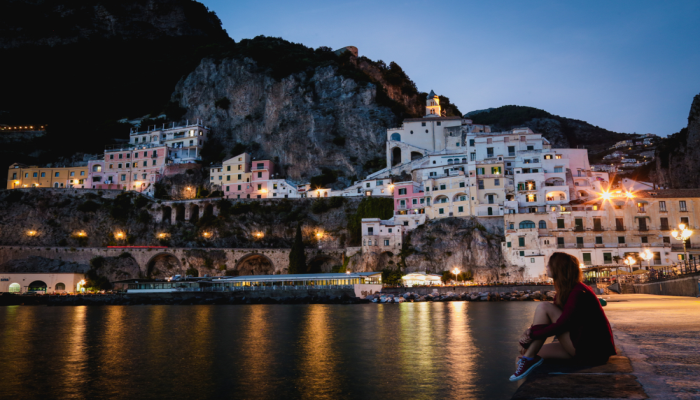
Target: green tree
[[391, 276], [369, 207], [297, 257]]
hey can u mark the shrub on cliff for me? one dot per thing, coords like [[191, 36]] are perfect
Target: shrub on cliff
[[370, 207], [89, 206], [223, 103]]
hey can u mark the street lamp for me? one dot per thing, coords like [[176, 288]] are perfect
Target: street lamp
[[456, 272], [683, 235], [629, 261], [647, 255]]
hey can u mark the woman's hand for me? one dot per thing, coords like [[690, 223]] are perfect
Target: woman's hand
[[524, 341]]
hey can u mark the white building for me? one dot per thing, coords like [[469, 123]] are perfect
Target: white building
[[48, 283], [184, 142], [379, 236]]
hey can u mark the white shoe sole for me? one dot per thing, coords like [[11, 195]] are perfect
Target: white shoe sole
[[514, 378]]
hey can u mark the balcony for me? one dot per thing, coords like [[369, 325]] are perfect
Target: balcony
[[579, 228], [598, 228], [643, 228], [665, 227], [620, 228]]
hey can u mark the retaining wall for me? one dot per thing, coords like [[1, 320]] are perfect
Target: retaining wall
[[677, 287]]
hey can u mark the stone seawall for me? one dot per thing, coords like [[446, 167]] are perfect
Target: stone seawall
[[468, 289], [677, 287]]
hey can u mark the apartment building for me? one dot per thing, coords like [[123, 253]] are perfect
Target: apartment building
[[24, 176], [379, 236], [409, 204], [240, 177], [129, 167], [184, 143], [605, 231]]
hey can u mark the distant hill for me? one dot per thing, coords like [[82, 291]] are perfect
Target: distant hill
[[560, 131]]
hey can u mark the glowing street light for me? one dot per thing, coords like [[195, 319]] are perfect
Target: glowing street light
[[161, 235], [647, 255], [258, 235], [456, 271], [119, 235], [31, 233], [683, 235]]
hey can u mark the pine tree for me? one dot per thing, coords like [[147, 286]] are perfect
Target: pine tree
[[297, 257]]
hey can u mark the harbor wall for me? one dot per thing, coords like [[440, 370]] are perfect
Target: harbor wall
[[468, 289], [677, 287]]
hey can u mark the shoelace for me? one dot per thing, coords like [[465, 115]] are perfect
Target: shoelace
[[521, 364]]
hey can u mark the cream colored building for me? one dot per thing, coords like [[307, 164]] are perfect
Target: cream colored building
[[606, 231], [379, 236], [447, 196], [40, 282]]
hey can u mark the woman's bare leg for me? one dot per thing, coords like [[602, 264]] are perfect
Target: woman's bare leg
[[546, 313]]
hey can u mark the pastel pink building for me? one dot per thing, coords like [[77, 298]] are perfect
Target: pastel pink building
[[408, 198], [128, 168]]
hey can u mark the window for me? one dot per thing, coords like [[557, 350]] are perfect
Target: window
[[586, 258], [684, 220], [579, 242], [471, 142], [239, 187], [259, 186], [496, 182], [511, 151], [682, 205], [664, 224], [370, 231], [560, 242], [118, 166], [521, 242], [472, 156], [120, 156], [508, 244], [578, 224], [239, 177], [560, 223], [526, 225], [531, 198], [240, 167], [441, 211], [43, 174], [496, 170], [259, 174], [439, 123], [531, 147], [481, 183], [621, 240], [598, 240], [667, 239], [489, 151], [522, 254], [123, 177], [154, 162], [543, 224], [662, 206], [386, 242], [619, 225], [128, 164], [228, 168], [274, 186], [129, 155], [460, 209], [380, 183], [645, 239], [443, 187], [607, 258], [558, 169]]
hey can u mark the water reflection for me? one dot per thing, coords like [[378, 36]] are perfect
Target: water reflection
[[407, 351]]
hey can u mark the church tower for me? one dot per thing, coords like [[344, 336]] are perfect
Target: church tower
[[432, 105]]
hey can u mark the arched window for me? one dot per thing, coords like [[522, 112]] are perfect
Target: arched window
[[96, 168], [396, 137], [543, 224], [464, 161], [526, 224], [14, 288], [60, 286]]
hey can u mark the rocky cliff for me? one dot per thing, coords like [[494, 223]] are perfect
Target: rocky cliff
[[679, 154], [303, 121]]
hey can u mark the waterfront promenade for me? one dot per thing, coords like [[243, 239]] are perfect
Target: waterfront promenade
[[661, 336], [657, 338]]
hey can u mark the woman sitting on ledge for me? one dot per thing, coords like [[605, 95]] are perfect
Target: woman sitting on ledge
[[576, 318]]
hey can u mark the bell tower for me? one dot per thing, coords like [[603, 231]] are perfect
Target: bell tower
[[432, 105]]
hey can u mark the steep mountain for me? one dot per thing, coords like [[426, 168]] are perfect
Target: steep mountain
[[560, 131], [306, 109], [679, 154]]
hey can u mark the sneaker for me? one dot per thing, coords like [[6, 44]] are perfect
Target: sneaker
[[525, 366]]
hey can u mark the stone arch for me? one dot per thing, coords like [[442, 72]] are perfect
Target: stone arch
[[416, 155], [208, 210], [556, 196], [163, 264], [395, 156], [255, 264], [194, 213], [167, 214], [396, 137], [60, 287], [322, 263], [37, 286], [456, 197], [180, 212], [441, 199], [14, 288]]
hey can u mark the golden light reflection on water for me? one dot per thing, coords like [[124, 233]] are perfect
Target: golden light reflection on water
[[461, 351], [256, 353], [319, 375], [73, 344]]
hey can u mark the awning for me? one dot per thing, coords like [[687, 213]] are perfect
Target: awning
[[642, 216]]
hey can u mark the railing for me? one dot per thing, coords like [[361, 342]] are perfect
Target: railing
[[262, 288], [619, 228], [493, 213], [664, 228], [578, 228], [643, 228], [679, 270]]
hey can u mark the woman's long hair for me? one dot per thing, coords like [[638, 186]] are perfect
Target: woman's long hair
[[566, 274]]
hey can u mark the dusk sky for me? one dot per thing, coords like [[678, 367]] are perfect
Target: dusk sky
[[627, 66]]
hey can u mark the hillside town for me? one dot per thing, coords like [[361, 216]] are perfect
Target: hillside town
[[543, 199]]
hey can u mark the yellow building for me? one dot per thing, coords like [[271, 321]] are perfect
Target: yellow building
[[447, 196], [23, 176], [488, 188]]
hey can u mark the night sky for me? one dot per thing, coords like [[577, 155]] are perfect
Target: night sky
[[627, 66]]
